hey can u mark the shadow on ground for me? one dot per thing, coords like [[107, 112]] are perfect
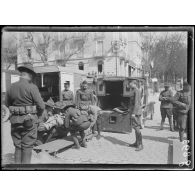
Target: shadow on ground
[[157, 128], [157, 139], [115, 141], [164, 140], [8, 158]]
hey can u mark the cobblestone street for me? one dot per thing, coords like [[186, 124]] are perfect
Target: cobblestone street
[[112, 148]]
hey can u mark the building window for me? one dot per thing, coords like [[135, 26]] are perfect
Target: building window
[[29, 53], [100, 66], [81, 66], [99, 48]]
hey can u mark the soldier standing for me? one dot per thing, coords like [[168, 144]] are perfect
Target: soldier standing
[[184, 97], [84, 96], [166, 107], [67, 94], [25, 105], [135, 111]]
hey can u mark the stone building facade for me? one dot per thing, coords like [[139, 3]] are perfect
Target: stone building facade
[[93, 53]]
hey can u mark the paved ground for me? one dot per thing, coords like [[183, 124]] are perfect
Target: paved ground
[[111, 148]]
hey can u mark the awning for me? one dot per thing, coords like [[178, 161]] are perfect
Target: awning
[[46, 69], [53, 68]]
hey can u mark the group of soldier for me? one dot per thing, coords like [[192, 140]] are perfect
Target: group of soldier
[[175, 108], [31, 117]]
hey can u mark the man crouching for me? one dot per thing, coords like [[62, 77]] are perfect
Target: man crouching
[[77, 122]]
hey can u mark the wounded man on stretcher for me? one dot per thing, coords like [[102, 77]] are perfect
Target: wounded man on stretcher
[[59, 119]]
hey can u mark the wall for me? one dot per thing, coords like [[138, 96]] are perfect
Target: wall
[[90, 59]]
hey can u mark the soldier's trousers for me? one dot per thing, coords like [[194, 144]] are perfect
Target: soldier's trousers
[[136, 124], [166, 112], [181, 122], [24, 139]]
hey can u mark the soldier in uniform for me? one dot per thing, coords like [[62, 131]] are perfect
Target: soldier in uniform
[[76, 122], [135, 111], [183, 98], [166, 107], [25, 105], [67, 94], [84, 96]]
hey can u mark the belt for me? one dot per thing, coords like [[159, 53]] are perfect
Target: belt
[[23, 110]]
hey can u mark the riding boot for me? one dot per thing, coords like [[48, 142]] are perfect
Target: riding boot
[[98, 125], [162, 125], [26, 155], [140, 145], [18, 156], [135, 144], [83, 142], [171, 124], [76, 142], [181, 135]]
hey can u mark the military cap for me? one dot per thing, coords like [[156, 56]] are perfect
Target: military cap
[[27, 67], [67, 83], [50, 103], [59, 105], [84, 82]]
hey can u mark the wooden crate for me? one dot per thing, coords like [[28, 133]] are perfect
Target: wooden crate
[[112, 121]]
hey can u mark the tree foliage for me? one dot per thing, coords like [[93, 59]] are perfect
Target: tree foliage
[[9, 51], [169, 55]]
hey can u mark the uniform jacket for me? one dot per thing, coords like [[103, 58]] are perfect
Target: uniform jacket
[[166, 103], [185, 98], [67, 95], [84, 98], [24, 93], [74, 117], [135, 106]]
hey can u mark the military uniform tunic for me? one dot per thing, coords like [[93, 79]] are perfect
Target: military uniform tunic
[[135, 107], [166, 106], [183, 97], [22, 94], [67, 96], [84, 98]]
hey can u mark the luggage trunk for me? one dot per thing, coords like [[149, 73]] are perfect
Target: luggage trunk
[[112, 121]]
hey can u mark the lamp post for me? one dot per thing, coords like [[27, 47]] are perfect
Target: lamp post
[[116, 48]]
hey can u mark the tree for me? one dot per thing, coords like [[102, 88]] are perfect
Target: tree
[[170, 56], [69, 45], [168, 52], [148, 43], [64, 46], [9, 50]]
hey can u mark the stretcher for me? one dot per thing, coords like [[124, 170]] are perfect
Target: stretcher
[[55, 147]]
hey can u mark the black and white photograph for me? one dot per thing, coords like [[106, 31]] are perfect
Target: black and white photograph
[[97, 97]]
